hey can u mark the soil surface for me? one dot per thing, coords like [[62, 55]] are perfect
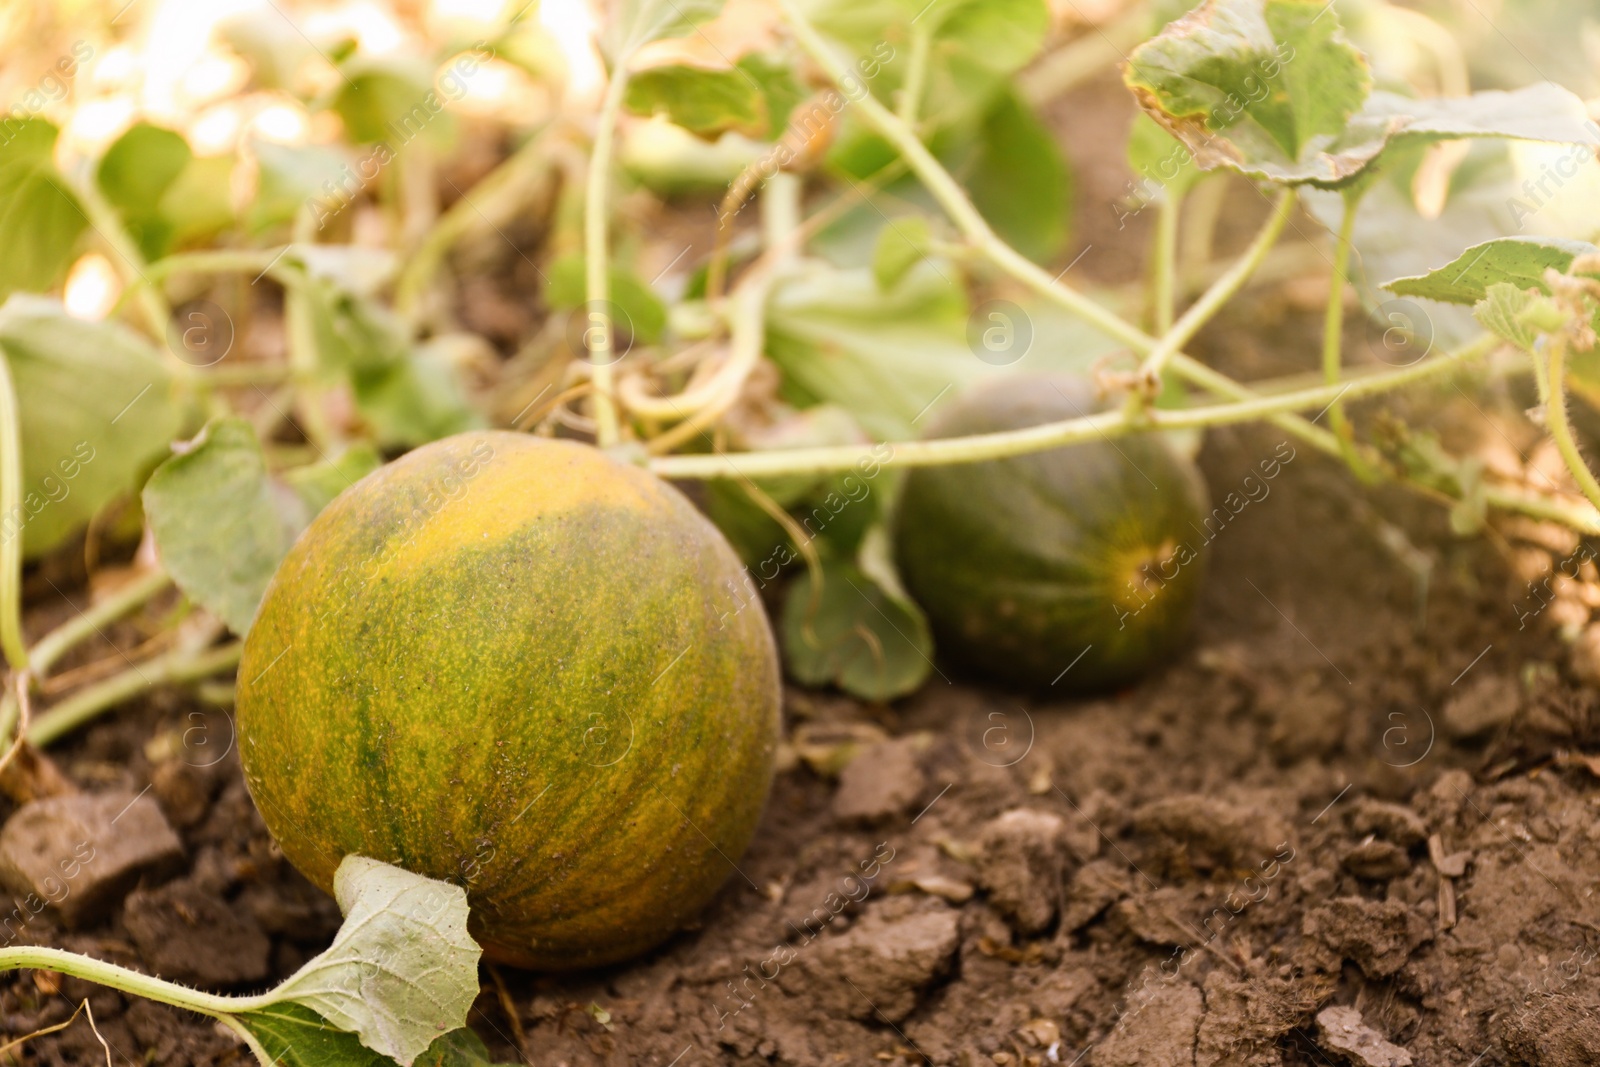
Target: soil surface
[[1358, 790], [1187, 872]]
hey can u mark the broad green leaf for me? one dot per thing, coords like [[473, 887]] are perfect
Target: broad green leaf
[[1499, 312], [295, 1036], [318, 483], [852, 633], [889, 358], [1519, 261], [902, 244], [418, 399], [392, 101], [779, 88], [706, 102], [220, 524], [135, 174], [96, 411], [290, 178], [1018, 178], [40, 220], [640, 313], [199, 203], [1252, 83], [1271, 88], [353, 334], [402, 969], [635, 23], [976, 45]]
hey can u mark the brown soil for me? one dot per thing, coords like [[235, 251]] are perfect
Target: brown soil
[[1183, 873]]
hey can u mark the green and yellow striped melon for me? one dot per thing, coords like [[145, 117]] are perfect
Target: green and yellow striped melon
[[1077, 567], [520, 666]]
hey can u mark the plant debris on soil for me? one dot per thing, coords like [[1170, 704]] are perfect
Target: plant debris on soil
[[1190, 872]]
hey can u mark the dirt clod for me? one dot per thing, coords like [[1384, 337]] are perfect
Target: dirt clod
[[1158, 1031], [1377, 935], [189, 935], [882, 781], [1021, 861], [1345, 1033], [82, 852], [1486, 703], [1204, 832], [880, 964]]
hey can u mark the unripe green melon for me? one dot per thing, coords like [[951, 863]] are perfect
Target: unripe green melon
[[1076, 567], [521, 666]]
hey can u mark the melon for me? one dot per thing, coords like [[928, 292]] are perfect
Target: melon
[[1076, 567], [524, 667]]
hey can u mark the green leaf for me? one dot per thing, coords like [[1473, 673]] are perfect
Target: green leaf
[[706, 102], [318, 483], [96, 411], [976, 46], [1500, 312], [1539, 112], [1519, 261], [415, 400], [889, 358], [1263, 84], [391, 101], [1018, 178], [852, 633], [199, 203], [290, 178], [402, 969], [40, 220], [636, 23], [296, 1036], [135, 174], [901, 245], [1272, 89], [220, 524], [641, 316], [779, 88]]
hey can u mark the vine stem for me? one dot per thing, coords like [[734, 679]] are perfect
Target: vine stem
[[178, 665], [1555, 409], [917, 74], [11, 643], [950, 196], [1333, 317], [1221, 291], [596, 250], [495, 194], [1047, 435], [53, 645], [105, 221], [217, 261], [121, 978]]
